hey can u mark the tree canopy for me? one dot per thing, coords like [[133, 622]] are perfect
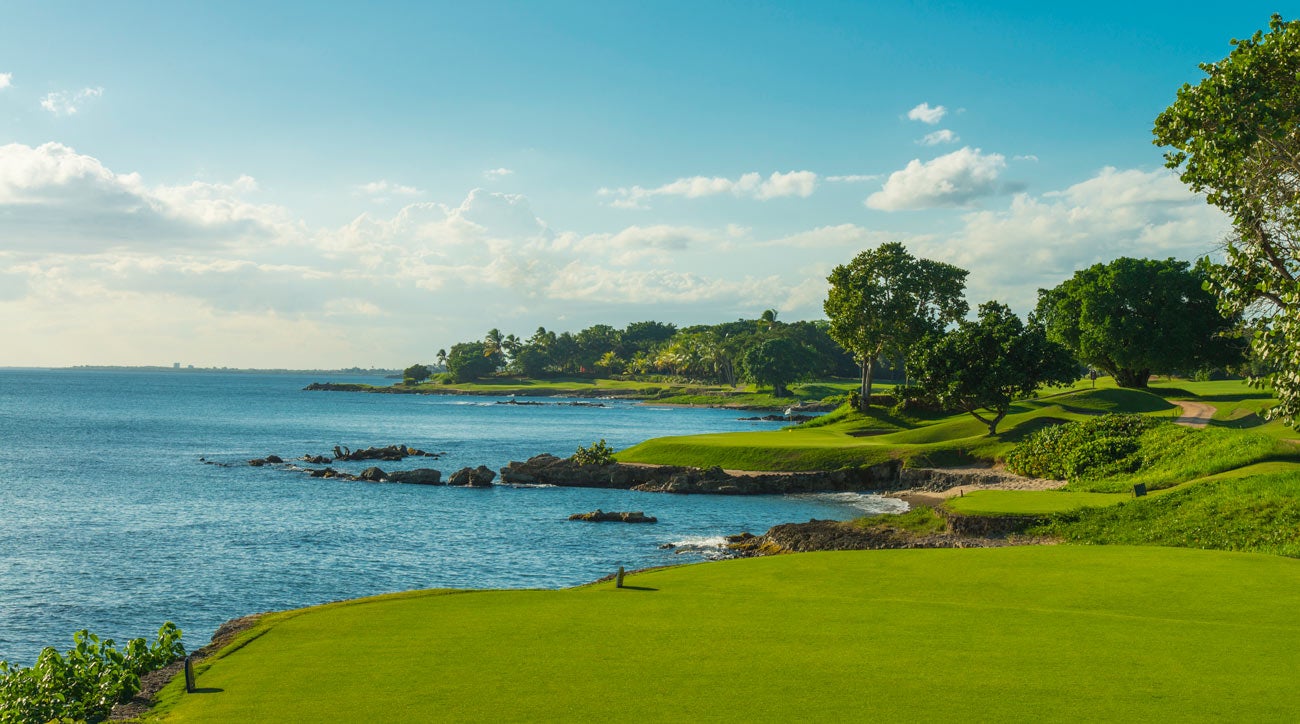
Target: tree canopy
[[1236, 138], [776, 362], [885, 299], [1136, 317], [989, 363], [471, 360]]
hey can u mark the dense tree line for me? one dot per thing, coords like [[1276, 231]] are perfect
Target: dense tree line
[[763, 350]]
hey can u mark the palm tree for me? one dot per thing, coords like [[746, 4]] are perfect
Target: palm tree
[[492, 342], [442, 358]]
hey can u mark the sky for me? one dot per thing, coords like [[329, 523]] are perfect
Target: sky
[[311, 185]]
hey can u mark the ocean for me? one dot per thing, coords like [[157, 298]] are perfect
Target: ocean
[[110, 521]]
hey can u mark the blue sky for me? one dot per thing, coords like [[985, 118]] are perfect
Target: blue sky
[[231, 184]]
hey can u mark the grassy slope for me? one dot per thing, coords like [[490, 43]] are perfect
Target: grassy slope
[[850, 441], [1017, 634]]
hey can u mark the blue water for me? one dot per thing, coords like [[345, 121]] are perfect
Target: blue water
[[108, 520]]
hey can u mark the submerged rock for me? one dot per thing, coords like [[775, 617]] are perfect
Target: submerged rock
[[600, 516], [372, 474]]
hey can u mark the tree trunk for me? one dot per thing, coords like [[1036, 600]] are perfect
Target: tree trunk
[[866, 383], [1134, 379], [779, 390]]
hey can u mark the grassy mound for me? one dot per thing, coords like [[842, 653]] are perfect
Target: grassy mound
[[1030, 502], [1013, 634], [853, 439], [1235, 512]]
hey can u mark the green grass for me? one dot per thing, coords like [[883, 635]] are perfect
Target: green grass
[[1062, 633], [1029, 502], [1238, 512], [850, 439]]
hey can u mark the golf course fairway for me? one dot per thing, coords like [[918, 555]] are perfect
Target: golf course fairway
[[1042, 633]]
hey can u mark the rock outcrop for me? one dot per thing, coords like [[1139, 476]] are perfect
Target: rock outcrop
[[418, 476], [480, 477], [372, 475], [390, 453], [600, 516], [551, 470]]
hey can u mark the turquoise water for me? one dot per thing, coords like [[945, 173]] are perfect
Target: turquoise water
[[108, 520]]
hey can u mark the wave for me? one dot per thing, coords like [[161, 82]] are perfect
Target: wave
[[873, 503], [709, 547]]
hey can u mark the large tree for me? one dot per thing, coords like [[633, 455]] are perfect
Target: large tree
[[989, 363], [1236, 138], [887, 300], [776, 362], [1136, 317], [471, 360]]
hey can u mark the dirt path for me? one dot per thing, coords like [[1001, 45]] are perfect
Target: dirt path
[[1195, 414]]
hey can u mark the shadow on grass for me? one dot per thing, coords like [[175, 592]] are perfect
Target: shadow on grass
[[638, 588], [207, 690]]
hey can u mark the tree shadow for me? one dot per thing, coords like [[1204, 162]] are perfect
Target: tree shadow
[[638, 588]]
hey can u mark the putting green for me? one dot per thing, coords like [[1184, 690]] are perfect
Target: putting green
[[1012, 634]]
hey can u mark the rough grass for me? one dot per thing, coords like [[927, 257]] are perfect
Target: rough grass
[[1061, 633], [1236, 512]]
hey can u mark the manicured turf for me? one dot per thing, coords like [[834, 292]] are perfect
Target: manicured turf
[[1030, 502], [1059, 633], [853, 439]]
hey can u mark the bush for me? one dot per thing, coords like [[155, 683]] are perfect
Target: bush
[[87, 681], [598, 453], [1096, 447]]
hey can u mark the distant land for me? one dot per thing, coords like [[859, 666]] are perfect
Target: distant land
[[175, 367]]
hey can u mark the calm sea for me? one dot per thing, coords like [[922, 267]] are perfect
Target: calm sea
[[109, 521]]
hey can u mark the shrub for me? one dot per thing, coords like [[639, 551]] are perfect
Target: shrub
[[1099, 446], [87, 681], [598, 453]]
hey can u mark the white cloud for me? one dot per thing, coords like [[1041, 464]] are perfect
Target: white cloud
[[925, 113], [383, 189], [942, 135], [955, 179], [498, 173], [1026, 157], [53, 198], [6, 80], [853, 178], [68, 103], [751, 185]]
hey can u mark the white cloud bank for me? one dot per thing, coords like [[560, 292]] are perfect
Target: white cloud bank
[[69, 103], [926, 113], [953, 180], [101, 267], [751, 185]]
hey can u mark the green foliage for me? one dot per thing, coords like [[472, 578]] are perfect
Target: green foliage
[[1136, 317], [886, 299], [471, 360], [415, 374], [922, 521], [1080, 449], [597, 453], [776, 362], [1236, 137], [87, 681], [989, 363]]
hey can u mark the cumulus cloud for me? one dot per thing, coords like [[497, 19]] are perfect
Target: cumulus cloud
[[6, 80], [52, 197], [853, 178], [751, 185], [926, 113], [68, 103], [498, 173], [942, 135], [952, 180]]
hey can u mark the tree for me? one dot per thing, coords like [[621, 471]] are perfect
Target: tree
[[442, 358], [1236, 138], [989, 363], [471, 360], [1135, 317], [887, 299], [776, 362], [416, 374]]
